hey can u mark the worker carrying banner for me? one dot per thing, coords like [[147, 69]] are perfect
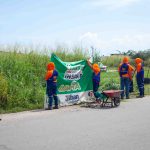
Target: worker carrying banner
[[74, 81]]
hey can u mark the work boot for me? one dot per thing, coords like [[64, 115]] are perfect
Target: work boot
[[127, 97], [122, 97], [140, 96], [49, 108], [56, 107]]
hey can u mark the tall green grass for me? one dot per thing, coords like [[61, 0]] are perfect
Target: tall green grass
[[22, 84], [69, 56], [24, 79]]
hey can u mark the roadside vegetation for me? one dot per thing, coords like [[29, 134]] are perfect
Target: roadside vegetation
[[22, 85]]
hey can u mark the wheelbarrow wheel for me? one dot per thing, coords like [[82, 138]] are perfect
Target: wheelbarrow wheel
[[117, 101]]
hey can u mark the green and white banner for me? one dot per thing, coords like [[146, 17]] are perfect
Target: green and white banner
[[74, 81]]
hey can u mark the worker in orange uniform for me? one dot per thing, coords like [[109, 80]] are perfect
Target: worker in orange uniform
[[95, 79], [140, 76], [125, 73], [51, 82]]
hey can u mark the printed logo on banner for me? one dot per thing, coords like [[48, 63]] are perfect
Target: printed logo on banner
[[73, 72], [72, 98], [72, 87]]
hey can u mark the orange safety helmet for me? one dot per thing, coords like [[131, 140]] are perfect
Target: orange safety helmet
[[125, 59], [50, 66], [138, 60], [96, 68]]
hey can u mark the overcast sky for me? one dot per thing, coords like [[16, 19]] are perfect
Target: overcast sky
[[107, 25]]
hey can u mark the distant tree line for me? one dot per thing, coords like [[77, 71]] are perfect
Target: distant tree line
[[143, 54]]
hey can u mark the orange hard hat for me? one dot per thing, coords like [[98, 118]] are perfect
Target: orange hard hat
[[50, 66], [138, 60], [125, 59], [96, 68]]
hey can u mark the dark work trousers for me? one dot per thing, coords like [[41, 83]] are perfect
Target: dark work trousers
[[95, 88], [124, 84], [52, 94], [130, 85], [140, 83]]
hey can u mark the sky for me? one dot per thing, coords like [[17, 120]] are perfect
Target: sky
[[106, 25]]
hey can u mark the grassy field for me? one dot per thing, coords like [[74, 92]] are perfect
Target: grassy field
[[22, 85], [111, 80], [22, 79]]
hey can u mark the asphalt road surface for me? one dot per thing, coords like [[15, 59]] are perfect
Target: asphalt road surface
[[126, 127]]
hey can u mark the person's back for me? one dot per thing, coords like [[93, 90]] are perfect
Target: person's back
[[51, 82], [124, 77], [124, 69]]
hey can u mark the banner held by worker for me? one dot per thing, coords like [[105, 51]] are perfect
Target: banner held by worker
[[74, 81]]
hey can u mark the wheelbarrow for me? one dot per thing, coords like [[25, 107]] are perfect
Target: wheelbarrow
[[109, 97], [112, 97]]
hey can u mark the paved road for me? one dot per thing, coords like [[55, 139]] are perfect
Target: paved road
[[74, 128]]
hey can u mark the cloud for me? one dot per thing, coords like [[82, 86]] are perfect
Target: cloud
[[92, 39], [89, 38], [138, 40], [122, 43], [112, 4]]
